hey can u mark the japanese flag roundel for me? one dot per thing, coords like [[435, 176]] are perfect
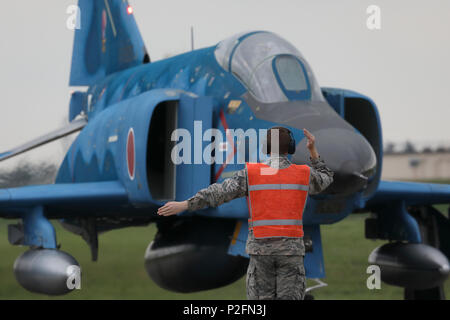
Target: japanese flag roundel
[[131, 155]]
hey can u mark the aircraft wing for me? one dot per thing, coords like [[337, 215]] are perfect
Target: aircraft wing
[[36, 204], [72, 127], [400, 209], [15, 201], [412, 193]]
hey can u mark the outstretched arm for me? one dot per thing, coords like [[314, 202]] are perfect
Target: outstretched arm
[[212, 196]]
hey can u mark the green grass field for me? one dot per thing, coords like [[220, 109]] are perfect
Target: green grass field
[[120, 274]]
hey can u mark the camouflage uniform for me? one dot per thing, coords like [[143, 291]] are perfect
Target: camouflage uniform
[[276, 269]]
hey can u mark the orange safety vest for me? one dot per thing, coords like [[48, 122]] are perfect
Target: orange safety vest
[[276, 199]]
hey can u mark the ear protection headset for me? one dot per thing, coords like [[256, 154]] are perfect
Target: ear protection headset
[[291, 148]]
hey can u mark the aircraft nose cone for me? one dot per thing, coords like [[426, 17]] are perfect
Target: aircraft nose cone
[[347, 153]]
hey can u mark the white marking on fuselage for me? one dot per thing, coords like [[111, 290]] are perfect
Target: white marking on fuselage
[[110, 18], [113, 139], [171, 93]]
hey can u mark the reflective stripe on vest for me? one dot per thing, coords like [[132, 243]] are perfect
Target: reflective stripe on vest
[[273, 186], [276, 201], [277, 222]]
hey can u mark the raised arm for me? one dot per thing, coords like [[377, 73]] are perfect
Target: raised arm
[[321, 175]]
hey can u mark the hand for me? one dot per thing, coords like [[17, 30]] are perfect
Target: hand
[[311, 139], [311, 144], [173, 207]]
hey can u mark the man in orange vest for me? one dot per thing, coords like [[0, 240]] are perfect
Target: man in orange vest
[[276, 194]]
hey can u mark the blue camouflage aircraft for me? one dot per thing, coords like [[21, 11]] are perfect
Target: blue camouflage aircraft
[[119, 170]]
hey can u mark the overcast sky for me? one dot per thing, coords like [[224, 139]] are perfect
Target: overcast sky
[[404, 67]]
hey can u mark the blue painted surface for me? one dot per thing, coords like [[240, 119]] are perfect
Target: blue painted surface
[[79, 194], [123, 94], [99, 152], [78, 104], [412, 193], [238, 248], [197, 175], [107, 41], [314, 263], [38, 231]]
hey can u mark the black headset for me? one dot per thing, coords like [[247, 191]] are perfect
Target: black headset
[[291, 148]]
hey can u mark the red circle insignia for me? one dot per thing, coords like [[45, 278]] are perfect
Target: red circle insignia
[[131, 153]]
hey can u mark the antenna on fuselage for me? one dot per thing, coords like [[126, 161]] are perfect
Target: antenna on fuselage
[[192, 38]]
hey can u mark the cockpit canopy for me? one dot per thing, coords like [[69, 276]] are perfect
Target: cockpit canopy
[[271, 68]]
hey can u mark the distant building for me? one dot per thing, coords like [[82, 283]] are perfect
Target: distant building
[[417, 166]]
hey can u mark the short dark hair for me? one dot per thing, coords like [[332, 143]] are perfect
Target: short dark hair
[[284, 139]]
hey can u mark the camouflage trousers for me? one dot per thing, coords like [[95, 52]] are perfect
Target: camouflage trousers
[[276, 277]]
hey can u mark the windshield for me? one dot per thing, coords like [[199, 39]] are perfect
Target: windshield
[[271, 68], [291, 76]]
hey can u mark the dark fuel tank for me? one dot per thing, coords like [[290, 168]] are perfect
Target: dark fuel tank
[[190, 255], [411, 265]]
